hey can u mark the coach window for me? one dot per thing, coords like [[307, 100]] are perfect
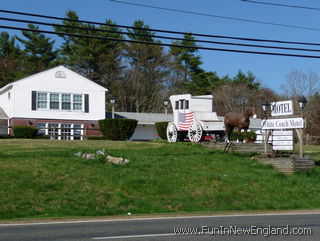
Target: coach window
[[181, 104], [186, 104], [176, 105]]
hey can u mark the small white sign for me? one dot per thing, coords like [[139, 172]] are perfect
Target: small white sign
[[282, 143], [282, 133], [282, 138], [283, 148], [281, 108], [288, 123]]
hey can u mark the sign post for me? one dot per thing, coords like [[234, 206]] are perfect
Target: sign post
[[282, 128]]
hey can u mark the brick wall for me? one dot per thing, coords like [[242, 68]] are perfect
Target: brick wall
[[91, 126]]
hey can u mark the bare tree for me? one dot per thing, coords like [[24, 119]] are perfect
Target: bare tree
[[299, 83], [306, 84], [237, 97]]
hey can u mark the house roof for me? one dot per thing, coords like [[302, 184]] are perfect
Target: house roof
[[143, 118], [3, 115], [57, 68]]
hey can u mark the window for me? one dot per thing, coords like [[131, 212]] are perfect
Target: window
[[77, 102], [181, 104], [186, 105], [65, 132], [62, 131], [41, 128], [177, 105], [42, 100], [54, 101], [53, 130], [66, 102], [77, 132], [58, 101]]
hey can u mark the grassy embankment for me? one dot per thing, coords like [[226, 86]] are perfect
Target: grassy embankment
[[43, 179]]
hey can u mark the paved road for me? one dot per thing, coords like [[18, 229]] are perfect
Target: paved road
[[160, 229]]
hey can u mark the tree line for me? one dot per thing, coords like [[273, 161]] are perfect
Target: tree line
[[141, 76]]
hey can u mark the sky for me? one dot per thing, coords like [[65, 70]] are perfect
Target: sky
[[271, 71]]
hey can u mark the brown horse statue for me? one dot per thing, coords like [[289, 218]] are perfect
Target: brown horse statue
[[241, 121]]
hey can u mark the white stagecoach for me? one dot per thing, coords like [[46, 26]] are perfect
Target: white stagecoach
[[193, 117]]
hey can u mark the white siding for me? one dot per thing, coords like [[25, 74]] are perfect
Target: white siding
[[145, 132], [201, 104], [7, 101]]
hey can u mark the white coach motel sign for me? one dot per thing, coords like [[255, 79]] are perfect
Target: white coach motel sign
[[282, 140], [285, 123]]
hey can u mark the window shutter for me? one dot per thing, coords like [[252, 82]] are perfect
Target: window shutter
[[34, 100], [86, 103]]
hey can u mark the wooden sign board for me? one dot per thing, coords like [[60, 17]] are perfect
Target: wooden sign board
[[286, 123], [282, 108]]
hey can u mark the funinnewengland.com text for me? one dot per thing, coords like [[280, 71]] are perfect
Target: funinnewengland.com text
[[236, 230]]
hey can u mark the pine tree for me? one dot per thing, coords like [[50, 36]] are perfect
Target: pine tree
[[38, 50], [10, 60], [97, 59], [194, 78], [142, 86]]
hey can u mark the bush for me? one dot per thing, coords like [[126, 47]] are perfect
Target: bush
[[236, 136], [162, 129], [249, 135], [117, 129], [5, 137], [25, 131]]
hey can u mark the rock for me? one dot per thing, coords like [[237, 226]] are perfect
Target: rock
[[117, 160], [100, 152], [88, 156]]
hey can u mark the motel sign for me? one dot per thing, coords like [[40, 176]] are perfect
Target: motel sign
[[282, 108]]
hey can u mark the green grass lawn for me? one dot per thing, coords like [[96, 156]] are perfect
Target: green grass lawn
[[43, 179]]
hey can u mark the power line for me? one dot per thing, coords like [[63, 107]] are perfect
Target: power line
[[160, 30], [160, 44], [157, 36], [281, 5], [215, 16]]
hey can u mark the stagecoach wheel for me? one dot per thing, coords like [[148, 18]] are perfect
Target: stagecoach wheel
[[172, 132], [195, 132]]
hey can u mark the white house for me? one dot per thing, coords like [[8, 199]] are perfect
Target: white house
[[58, 101]]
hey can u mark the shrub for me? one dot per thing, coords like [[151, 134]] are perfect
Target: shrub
[[25, 131], [249, 135], [236, 136], [5, 137], [162, 129], [117, 129]]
